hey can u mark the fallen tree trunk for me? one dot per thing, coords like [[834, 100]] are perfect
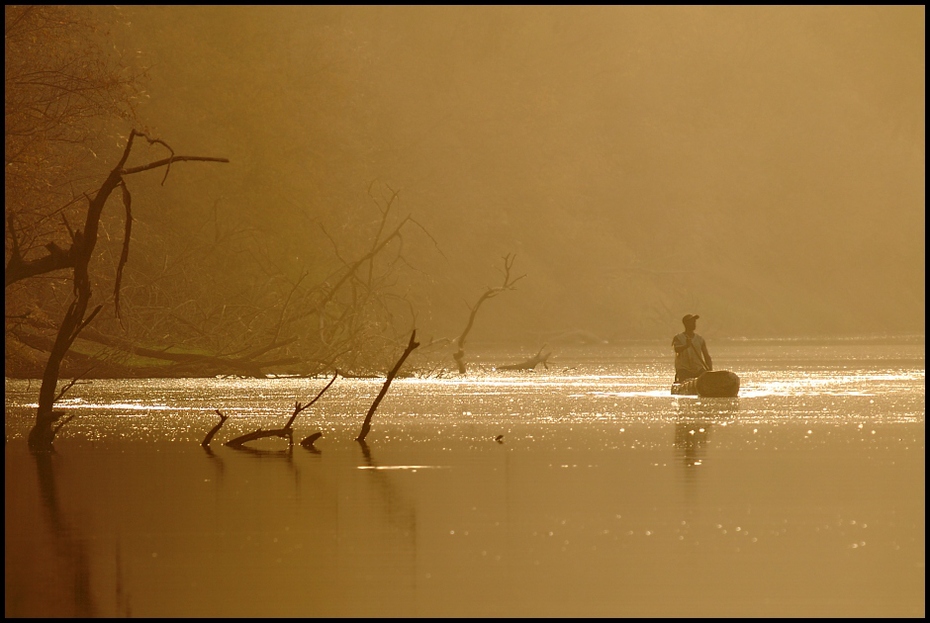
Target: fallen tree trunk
[[176, 364], [244, 364], [285, 433], [531, 363]]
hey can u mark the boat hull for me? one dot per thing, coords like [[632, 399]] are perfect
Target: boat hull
[[711, 384]]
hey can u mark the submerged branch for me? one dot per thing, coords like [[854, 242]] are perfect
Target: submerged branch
[[206, 440], [366, 425], [531, 363], [286, 432]]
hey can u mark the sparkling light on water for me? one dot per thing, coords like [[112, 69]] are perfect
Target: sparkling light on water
[[586, 489]]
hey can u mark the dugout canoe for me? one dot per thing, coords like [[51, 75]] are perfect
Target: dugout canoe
[[711, 384]]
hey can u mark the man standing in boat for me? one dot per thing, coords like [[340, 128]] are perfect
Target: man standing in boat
[[691, 356]]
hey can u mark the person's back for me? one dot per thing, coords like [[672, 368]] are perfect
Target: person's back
[[691, 354]]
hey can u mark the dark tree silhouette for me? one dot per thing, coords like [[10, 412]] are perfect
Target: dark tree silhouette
[[285, 432], [77, 258], [366, 425]]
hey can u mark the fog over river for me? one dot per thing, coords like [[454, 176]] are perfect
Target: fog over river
[[761, 166]]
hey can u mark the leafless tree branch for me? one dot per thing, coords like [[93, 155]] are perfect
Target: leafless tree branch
[[509, 283]]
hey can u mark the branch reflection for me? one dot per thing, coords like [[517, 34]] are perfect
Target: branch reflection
[[68, 547], [400, 510]]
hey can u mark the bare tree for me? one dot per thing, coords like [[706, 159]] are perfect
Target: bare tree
[[344, 319], [77, 257], [508, 284], [349, 318]]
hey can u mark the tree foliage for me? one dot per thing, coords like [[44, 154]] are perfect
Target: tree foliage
[[63, 84], [67, 92], [209, 289]]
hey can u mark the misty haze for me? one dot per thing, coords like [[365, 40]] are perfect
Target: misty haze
[[239, 239], [763, 167]]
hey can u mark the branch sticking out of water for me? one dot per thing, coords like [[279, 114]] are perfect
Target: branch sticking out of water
[[508, 284], [286, 432], [307, 442], [206, 440], [366, 426]]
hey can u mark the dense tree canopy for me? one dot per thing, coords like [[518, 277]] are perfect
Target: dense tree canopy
[[63, 88]]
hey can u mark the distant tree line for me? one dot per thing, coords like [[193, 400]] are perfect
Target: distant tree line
[[70, 95]]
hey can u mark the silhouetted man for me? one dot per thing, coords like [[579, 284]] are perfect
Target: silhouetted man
[[691, 356]]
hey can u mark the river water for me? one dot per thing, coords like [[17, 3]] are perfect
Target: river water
[[581, 490]]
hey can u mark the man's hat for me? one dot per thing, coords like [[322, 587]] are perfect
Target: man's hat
[[689, 318]]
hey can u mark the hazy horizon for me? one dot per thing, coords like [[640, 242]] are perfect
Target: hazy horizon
[[760, 166]]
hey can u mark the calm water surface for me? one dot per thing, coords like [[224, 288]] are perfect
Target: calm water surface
[[606, 496]]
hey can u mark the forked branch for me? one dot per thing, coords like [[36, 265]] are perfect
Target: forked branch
[[508, 284], [286, 432]]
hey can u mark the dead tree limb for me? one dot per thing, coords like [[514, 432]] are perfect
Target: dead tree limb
[[307, 442], [366, 426], [490, 293], [531, 363], [206, 440], [18, 268], [78, 258], [69, 385], [245, 364], [124, 255], [286, 432]]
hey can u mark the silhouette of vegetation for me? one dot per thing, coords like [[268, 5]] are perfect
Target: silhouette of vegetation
[[65, 93], [531, 363], [78, 258], [208, 294], [508, 284], [65, 90], [285, 432], [366, 425]]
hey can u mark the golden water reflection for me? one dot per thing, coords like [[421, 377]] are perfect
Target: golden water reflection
[[504, 532], [597, 498]]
